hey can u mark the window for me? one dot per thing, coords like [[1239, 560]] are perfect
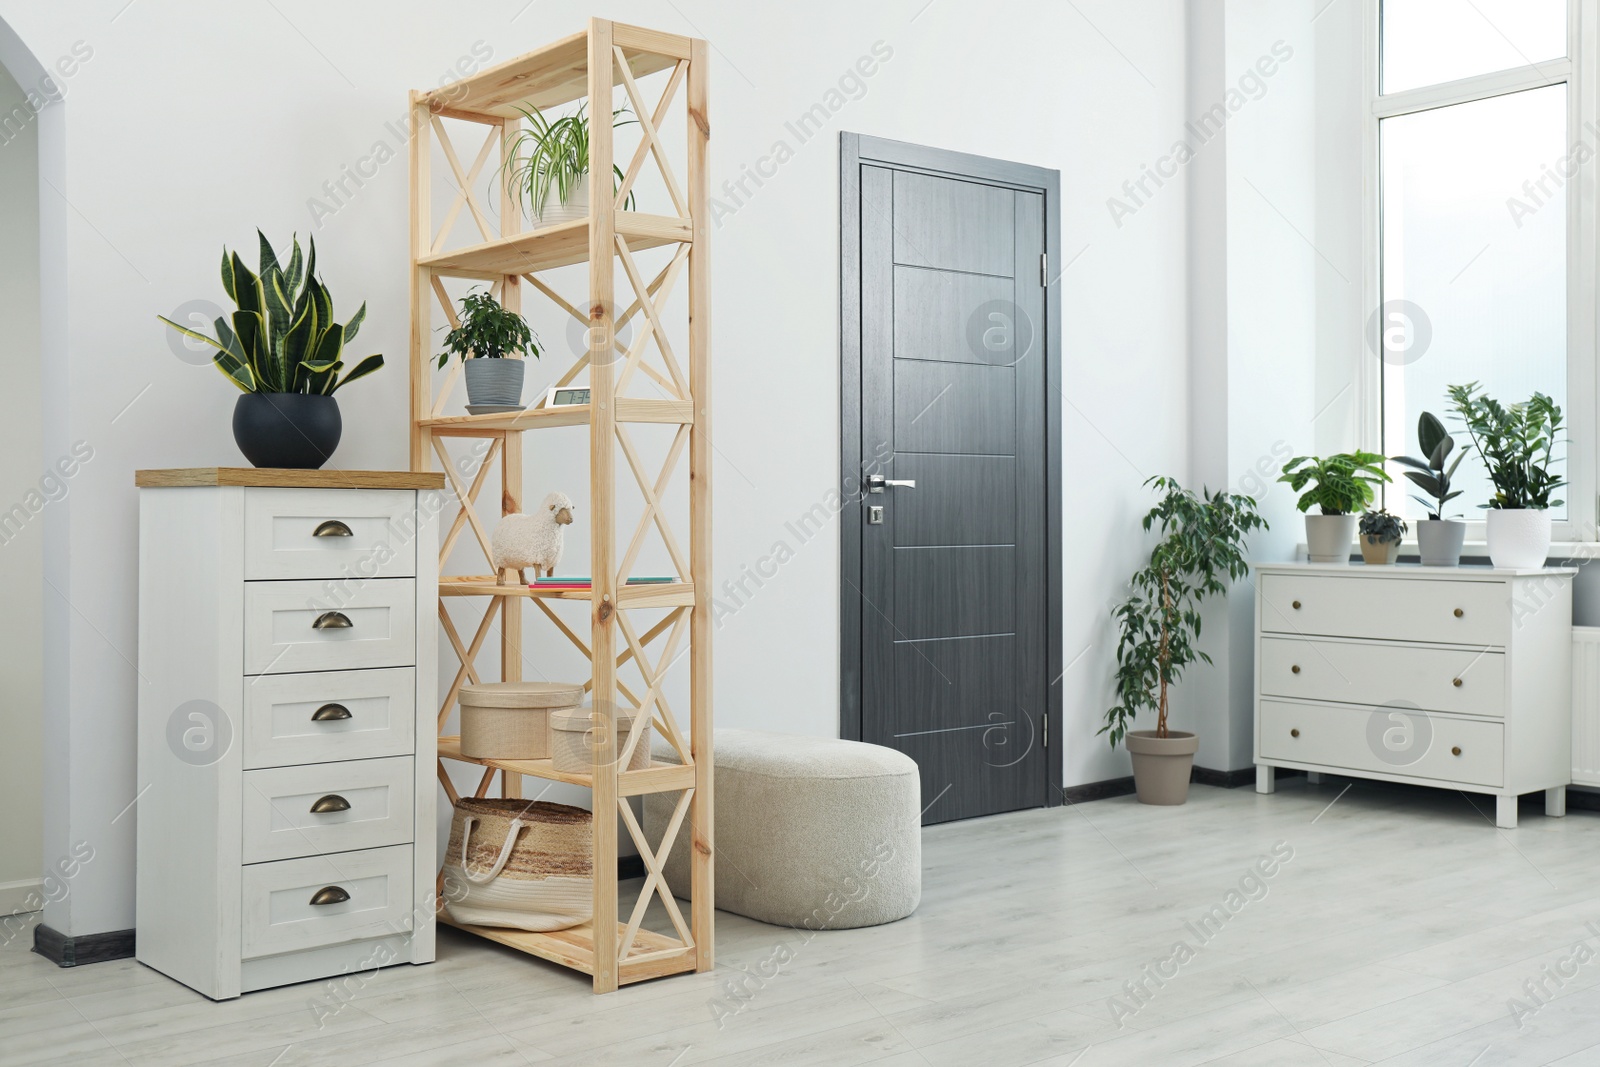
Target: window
[[1484, 193]]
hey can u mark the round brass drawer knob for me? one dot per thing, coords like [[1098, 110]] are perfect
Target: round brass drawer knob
[[1296, 605], [1295, 669], [1459, 613], [1294, 733], [1456, 682], [1456, 751]]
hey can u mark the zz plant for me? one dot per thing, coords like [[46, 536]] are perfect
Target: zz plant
[[283, 338], [1202, 545], [1340, 484], [1516, 443], [552, 156]]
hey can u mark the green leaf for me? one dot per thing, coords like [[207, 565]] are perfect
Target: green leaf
[[269, 258], [355, 323], [227, 277], [1430, 433], [235, 371], [362, 369], [220, 346]]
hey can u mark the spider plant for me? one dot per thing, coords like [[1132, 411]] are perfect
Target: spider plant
[[282, 338], [552, 155]]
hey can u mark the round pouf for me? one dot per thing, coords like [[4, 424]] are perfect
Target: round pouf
[[811, 832], [510, 720]]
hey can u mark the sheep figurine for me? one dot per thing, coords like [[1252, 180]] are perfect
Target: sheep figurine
[[532, 539]]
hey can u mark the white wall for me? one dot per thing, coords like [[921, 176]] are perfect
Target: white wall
[[184, 131], [21, 532]]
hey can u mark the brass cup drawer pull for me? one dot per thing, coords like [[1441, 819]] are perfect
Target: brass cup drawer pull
[[330, 803], [329, 894], [332, 528], [330, 713], [332, 620]]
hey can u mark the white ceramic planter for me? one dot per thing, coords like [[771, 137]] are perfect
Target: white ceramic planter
[[1519, 538], [576, 207], [1329, 537], [1439, 542]]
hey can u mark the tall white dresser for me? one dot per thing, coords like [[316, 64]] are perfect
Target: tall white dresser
[[287, 684], [1455, 677]]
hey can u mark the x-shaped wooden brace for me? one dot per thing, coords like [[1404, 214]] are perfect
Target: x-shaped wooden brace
[[466, 496], [655, 883], [653, 510], [459, 523], [654, 704], [652, 312], [466, 654], [466, 178], [648, 125]]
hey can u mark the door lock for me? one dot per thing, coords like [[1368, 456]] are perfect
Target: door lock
[[874, 515]]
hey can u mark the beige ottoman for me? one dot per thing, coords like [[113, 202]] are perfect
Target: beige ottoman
[[811, 832]]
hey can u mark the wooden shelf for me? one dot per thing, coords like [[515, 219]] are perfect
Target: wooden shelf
[[652, 595], [629, 409], [652, 956], [551, 76], [560, 245], [657, 778]]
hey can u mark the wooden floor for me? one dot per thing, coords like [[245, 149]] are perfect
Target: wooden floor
[[1399, 932]]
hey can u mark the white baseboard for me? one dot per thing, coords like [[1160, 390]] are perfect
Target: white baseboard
[[21, 897]]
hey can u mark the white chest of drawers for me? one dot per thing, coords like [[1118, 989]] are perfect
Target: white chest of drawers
[[287, 664], [1456, 677]]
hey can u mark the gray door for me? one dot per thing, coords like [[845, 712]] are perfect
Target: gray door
[[953, 551]]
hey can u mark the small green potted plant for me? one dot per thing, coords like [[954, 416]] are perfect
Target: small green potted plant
[[1381, 534], [1201, 546], [283, 350], [1516, 443], [1341, 486], [1439, 539], [490, 341], [551, 158]]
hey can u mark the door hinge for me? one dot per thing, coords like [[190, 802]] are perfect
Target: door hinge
[[1045, 730], [1044, 270]]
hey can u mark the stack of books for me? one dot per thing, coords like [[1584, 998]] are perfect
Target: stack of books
[[562, 582]]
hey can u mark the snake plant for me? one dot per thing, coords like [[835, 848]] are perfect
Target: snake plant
[[552, 155], [283, 337]]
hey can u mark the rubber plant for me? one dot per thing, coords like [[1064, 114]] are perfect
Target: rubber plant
[[282, 337], [1430, 473], [1201, 547]]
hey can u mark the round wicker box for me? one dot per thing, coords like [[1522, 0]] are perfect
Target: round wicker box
[[510, 720], [575, 732]]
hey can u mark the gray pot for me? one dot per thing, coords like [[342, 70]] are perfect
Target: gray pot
[[495, 382], [1439, 542], [1161, 765], [1329, 537]]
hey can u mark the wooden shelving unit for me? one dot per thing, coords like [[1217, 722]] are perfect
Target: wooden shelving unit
[[625, 389]]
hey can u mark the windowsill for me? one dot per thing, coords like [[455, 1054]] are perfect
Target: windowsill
[[1478, 551]]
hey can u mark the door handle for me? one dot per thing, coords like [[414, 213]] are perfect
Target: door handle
[[876, 482]]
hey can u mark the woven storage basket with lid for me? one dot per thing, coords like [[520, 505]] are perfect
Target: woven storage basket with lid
[[519, 863], [575, 732], [509, 720]]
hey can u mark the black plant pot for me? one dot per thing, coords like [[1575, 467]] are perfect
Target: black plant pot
[[294, 430]]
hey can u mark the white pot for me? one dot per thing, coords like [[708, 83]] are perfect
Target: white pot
[[1519, 539], [1439, 542], [555, 212], [1329, 537]]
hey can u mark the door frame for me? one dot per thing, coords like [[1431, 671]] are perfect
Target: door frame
[[855, 150]]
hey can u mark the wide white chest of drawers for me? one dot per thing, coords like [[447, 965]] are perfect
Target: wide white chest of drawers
[[1455, 677], [287, 663]]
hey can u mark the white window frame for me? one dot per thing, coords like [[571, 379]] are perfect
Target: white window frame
[[1578, 72]]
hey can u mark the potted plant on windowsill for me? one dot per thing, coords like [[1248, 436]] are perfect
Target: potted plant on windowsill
[[490, 341], [1201, 546], [1381, 534], [550, 157], [1516, 444], [1341, 486], [1439, 539], [284, 351]]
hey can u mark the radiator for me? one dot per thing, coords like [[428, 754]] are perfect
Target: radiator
[[1586, 705]]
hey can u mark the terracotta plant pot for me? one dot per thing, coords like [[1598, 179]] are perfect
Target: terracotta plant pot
[[1161, 765], [1328, 537], [1439, 542], [1519, 539], [1377, 552]]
